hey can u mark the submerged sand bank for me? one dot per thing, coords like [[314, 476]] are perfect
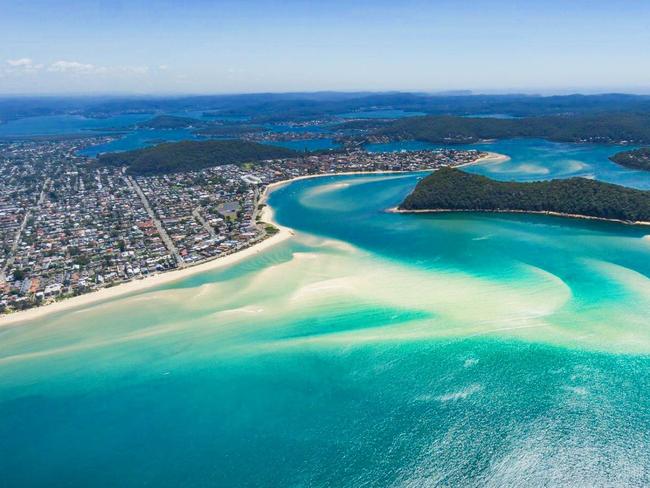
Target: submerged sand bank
[[505, 211], [490, 157]]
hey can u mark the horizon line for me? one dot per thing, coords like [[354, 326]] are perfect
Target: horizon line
[[360, 92]]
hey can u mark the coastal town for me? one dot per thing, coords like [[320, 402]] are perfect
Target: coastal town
[[69, 226]]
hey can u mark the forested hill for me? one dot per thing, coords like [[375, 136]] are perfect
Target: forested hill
[[603, 128], [452, 189], [171, 122], [635, 159], [192, 155]]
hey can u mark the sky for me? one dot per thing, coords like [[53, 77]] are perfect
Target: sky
[[196, 46]]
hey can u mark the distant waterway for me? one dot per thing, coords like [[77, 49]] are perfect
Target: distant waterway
[[139, 138], [539, 159], [123, 127], [68, 124]]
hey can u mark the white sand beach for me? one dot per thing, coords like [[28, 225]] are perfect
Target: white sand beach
[[490, 157]]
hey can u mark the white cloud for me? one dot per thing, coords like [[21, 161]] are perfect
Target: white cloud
[[66, 68], [16, 63], [22, 65], [86, 69], [71, 67]]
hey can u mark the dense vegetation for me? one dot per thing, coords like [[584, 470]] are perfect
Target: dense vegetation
[[636, 159], [229, 130], [171, 122], [452, 189], [605, 128], [192, 155], [362, 124]]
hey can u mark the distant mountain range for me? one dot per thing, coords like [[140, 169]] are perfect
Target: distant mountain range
[[288, 106]]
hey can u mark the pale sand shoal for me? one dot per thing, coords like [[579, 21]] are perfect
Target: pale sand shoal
[[490, 157], [284, 233], [506, 211]]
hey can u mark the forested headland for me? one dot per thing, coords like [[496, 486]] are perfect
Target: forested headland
[[598, 128], [192, 156], [453, 189]]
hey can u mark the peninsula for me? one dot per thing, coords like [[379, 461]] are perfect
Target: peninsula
[[168, 122], [450, 189], [635, 159]]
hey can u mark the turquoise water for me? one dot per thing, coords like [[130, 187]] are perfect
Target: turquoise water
[[372, 349], [538, 159], [140, 138]]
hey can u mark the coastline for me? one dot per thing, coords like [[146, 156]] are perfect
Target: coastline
[[266, 216], [490, 157], [529, 212], [152, 281]]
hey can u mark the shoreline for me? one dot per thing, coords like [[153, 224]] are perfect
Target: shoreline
[[266, 216], [490, 157], [106, 294], [551, 213]]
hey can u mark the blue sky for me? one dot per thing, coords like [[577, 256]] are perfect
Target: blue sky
[[105, 46]]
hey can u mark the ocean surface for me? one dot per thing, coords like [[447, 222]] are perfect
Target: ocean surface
[[372, 349]]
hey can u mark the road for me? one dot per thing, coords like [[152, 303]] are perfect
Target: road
[[169, 244], [197, 215], [14, 247]]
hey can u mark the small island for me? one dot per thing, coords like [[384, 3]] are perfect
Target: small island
[[175, 157], [449, 190], [635, 159], [169, 122]]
